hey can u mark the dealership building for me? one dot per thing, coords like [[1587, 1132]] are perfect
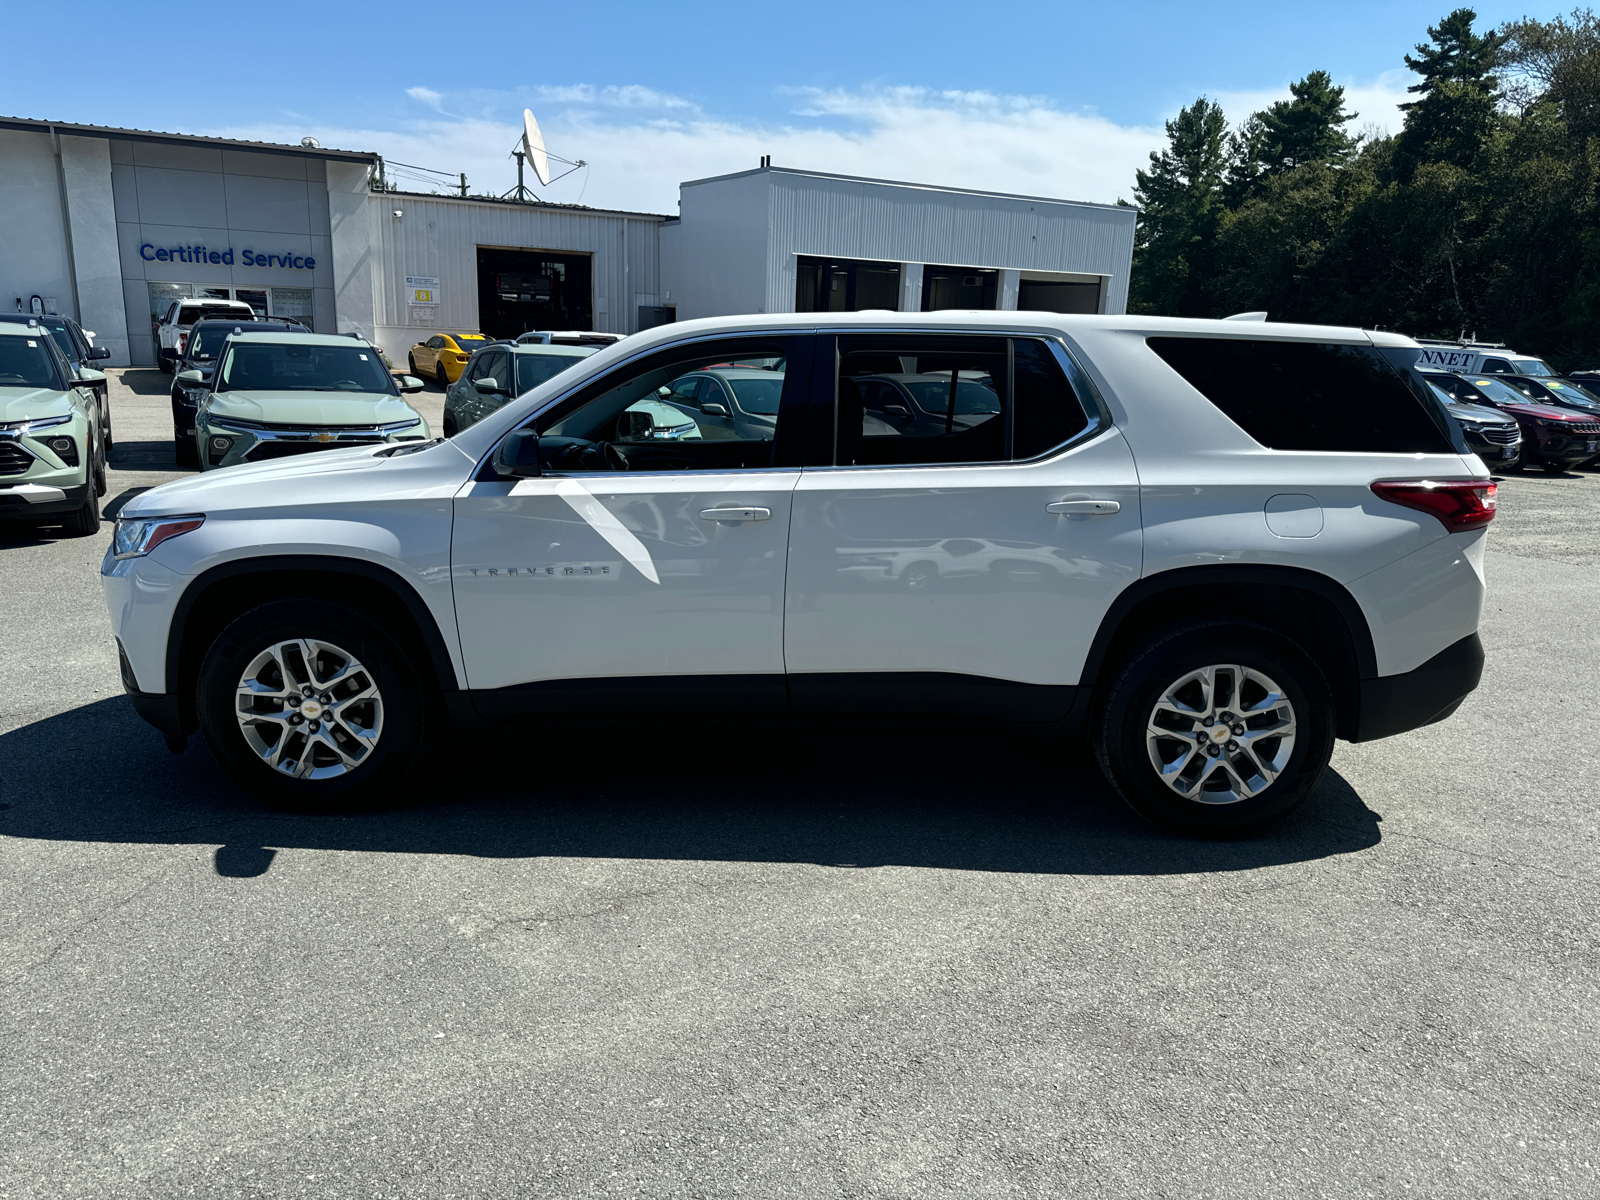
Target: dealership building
[[110, 225]]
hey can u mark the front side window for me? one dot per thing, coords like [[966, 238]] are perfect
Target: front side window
[[435, 342], [27, 362], [479, 367], [674, 412], [1307, 395], [1497, 366], [301, 367], [924, 399]]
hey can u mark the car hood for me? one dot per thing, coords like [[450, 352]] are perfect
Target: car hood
[[27, 404], [1479, 413], [1545, 412], [311, 408], [317, 482]]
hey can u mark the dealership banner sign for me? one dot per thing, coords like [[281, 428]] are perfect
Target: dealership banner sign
[[224, 258], [422, 299]]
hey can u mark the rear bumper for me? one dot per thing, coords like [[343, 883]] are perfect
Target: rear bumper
[[1394, 704]]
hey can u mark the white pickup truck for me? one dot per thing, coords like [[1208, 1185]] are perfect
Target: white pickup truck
[[173, 328]]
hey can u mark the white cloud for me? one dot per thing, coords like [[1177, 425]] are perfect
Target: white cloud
[[426, 96], [640, 143]]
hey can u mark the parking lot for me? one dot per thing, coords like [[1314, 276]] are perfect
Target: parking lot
[[808, 960]]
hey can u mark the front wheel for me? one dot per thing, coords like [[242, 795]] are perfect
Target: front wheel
[[85, 522], [313, 707], [1215, 728]]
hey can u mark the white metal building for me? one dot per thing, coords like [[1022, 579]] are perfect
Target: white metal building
[[110, 225]]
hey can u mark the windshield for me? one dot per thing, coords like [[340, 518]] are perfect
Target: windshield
[[758, 396], [1500, 393], [534, 369], [1531, 366], [25, 362], [1571, 393], [972, 399], [299, 367]]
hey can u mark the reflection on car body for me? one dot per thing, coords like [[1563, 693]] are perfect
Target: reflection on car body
[[920, 565], [929, 404]]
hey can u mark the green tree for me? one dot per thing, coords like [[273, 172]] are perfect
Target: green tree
[[1457, 110], [1306, 128], [1180, 202]]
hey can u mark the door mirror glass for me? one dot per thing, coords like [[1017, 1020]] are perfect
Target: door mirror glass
[[518, 455], [90, 375], [487, 383], [99, 352], [634, 424], [193, 378], [406, 383]]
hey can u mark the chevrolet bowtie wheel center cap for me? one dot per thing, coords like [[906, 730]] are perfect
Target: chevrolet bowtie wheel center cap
[[1219, 733], [310, 709]]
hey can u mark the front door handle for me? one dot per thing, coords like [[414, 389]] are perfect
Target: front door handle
[[735, 514], [1092, 508]]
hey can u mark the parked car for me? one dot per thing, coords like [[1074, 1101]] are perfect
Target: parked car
[[52, 462], [1556, 439], [277, 394], [568, 337], [500, 371], [201, 348], [1492, 435], [172, 330], [1559, 392], [1268, 539], [78, 347], [724, 402], [929, 403], [444, 355]]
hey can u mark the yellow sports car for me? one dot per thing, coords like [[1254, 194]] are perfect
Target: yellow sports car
[[445, 355]]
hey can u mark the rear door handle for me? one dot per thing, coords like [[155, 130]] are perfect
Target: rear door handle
[[1093, 508], [735, 514]]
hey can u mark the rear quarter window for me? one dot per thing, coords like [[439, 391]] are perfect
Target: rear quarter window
[[1307, 395]]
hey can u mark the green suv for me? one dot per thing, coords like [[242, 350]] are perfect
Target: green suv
[[277, 394], [52, 463]]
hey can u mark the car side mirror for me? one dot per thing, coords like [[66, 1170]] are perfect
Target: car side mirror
[[99, 352], [191, 377], [636, 425], [518, 456], [409, 383], [714, 408], [487, 384], [90, 375]]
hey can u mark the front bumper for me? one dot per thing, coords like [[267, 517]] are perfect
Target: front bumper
[[41, 500], [35, 480], [1394, 704], [263, 444]]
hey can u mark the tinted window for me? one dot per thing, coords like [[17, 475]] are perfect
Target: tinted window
[[303, 367], [534, 369], [1497, 365], [927, 399], [1307, 395]]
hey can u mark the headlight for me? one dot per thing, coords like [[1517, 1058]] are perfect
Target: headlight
[[396, 426], [137, 536], [26, 428], [232, 422]]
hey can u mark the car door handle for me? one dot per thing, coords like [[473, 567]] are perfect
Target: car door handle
[[735, 514], [1092, 508]]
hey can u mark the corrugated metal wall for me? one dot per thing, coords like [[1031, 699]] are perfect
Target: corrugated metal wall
[[438, 236], [848, 218]]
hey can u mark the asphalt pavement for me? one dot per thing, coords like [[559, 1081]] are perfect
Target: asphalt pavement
[[819, 960]]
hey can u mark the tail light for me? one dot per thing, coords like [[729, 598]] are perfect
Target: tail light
[[1462, 504], [183, 340]]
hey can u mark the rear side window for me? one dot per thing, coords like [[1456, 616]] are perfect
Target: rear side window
[[1307, 395]]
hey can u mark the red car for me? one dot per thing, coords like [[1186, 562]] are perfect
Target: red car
[[1556, 439]]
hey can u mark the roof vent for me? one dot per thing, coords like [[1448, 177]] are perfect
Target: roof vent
[[311, 143]]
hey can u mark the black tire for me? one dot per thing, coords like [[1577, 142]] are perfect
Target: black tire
[[85, 522], [1118, 728], [1554, 468], [438, 373], [449, 426], [411, 361], [386, 772], [183, 449], [98, 471], [106, 438]]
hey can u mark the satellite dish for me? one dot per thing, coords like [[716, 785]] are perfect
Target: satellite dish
[[533, 147]]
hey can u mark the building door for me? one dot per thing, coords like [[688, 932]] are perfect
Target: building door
[[959, 287], [524, 290], [614, 565], [256, 298]]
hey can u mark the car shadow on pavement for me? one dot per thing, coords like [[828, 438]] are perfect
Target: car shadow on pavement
[[859, 794], [147, 381]]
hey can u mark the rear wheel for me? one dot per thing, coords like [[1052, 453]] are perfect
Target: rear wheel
[[438, 373], [313, 706], [411, 360], [1215, 728]]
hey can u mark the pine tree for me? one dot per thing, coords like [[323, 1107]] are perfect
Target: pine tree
[[1308, 127], [1457, 109], [1180, 198]]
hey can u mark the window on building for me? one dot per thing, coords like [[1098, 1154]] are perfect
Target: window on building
[[845, 285], [959, 287], [1307, 395]]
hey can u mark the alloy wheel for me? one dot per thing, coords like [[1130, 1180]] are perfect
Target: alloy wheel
[[1221, 734], [309, 709]]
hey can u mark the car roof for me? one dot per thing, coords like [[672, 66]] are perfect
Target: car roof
[[289, 326], [292, 338], [567, 351], [11, 329]]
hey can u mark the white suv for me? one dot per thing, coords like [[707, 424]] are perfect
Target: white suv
[[1214, 546]]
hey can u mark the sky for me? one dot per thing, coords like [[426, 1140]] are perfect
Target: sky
[[1050, 99]]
